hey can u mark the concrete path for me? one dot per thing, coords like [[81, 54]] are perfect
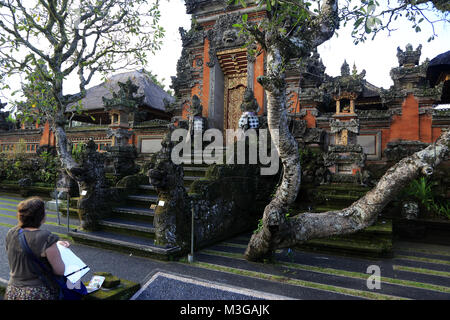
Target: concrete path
[[417, 271]]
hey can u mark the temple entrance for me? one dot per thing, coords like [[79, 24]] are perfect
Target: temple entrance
[[234, 67], [234, 92]]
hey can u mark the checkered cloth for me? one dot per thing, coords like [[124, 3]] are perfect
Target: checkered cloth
[[248, 120]]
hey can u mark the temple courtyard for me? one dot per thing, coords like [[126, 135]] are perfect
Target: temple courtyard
[[219, 272]]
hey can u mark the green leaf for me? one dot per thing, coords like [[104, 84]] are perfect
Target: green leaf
[[358, 22]]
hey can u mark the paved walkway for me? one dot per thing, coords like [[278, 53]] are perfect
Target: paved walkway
[[417, 271]]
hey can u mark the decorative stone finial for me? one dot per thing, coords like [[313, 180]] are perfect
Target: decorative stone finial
[[345, 69], [124, 98], [409, 57]]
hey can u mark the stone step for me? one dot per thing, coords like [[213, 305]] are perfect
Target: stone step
[[195, 171], [330, 197], [143, 198], [343, 187], [201, 169], [126, 244], [375, 248], [147, 187], [134, 214], [140, 229], [191, 178]]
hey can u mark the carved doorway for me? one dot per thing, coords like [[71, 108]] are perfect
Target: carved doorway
[[234, 67], [234, 91]]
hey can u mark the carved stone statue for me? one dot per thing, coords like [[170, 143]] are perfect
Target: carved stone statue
[[249, 103], [249, 107], [171, 222], [196, 122], [196, 107], [95, 203]]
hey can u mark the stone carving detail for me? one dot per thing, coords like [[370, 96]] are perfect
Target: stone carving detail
[[121, 135], [396, 150], [409, 77], [171, 219], [337, 126], [249, 108], [409, 57], [196, 122], [95, 203], [249, 103], [410, 210], [196, 108], [297, 127], [224, 36], [351, 155], [125, 98]]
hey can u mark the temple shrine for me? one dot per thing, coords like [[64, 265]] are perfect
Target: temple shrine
[[352, 120]]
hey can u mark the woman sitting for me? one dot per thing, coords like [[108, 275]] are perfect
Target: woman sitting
[[24, 282]]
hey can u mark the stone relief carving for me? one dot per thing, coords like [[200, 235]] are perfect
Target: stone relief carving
[[224, 36], [337, 126]]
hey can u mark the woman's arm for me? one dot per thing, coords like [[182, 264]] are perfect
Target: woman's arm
[[54, 257]]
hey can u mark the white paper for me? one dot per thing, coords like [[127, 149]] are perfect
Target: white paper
[[95, 283], [161, 203], [83, 192], [72, 264]]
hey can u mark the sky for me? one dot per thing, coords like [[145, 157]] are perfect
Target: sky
[[377, 57]]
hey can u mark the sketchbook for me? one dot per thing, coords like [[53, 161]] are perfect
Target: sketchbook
[[75, 267]]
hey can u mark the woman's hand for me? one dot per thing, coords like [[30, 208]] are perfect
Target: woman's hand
[[64, 243]]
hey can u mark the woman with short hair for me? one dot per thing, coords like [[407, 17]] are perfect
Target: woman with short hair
[[24, 282]]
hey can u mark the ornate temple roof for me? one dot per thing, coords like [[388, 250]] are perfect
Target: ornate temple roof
[[154, 96]]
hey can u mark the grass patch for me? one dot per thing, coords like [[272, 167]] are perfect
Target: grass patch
[[422, 259], [423, 271], [302, 283], [8, 204], [47, 222], [10, 200], [60, 235], [427, 251]]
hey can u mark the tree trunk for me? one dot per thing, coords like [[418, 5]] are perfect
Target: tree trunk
[[300, 44], [67, 161], [363, 212], [261, 243]]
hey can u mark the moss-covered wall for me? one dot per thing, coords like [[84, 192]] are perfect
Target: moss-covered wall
[[229, 200]]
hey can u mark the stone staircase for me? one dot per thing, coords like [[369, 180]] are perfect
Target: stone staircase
[[193, 172], [374, 241], [130, 228]]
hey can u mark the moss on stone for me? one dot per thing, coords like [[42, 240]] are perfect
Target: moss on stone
[[124, 291], [110, 280]]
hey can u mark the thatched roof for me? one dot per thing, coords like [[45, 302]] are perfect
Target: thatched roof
[[154, 95], [437, 66]]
